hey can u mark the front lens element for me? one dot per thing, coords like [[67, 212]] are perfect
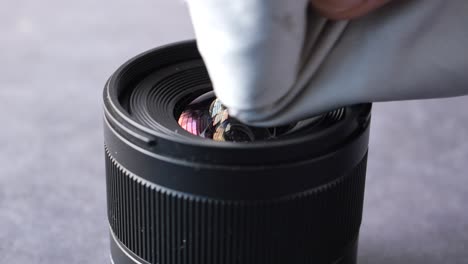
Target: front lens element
[[207, 117]]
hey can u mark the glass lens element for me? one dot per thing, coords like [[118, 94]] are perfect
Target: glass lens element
[[208, 118]]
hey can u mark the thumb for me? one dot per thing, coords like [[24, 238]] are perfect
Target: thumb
[[346, 9]]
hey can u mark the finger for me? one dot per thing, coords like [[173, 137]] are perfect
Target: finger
[[346, 9]]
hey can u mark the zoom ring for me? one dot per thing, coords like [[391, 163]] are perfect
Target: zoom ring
[[166, 227]]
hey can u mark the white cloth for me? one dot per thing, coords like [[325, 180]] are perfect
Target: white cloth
[[267, 73]]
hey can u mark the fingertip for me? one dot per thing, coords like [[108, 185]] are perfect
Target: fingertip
[[346, 9]]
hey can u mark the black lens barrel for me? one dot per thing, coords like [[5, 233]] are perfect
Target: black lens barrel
[[177, 198]]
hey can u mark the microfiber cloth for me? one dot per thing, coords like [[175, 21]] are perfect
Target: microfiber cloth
[[274, 61]]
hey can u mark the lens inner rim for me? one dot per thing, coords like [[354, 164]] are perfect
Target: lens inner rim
[[131, 74]]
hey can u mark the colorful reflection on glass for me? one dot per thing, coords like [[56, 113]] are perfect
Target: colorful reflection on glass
[[208, 118]]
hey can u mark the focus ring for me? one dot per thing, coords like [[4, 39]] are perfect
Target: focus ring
[[169, 227]]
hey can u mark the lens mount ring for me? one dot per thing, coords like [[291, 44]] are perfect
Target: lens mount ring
[[143, 97]]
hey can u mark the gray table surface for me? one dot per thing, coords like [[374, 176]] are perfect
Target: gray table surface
[[54, 59]]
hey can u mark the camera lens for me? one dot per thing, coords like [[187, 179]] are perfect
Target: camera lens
[[187, 183]]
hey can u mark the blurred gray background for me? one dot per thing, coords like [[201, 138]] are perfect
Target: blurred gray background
[[55, 58]]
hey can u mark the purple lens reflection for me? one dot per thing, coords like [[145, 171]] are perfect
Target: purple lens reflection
[[194, 121]]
